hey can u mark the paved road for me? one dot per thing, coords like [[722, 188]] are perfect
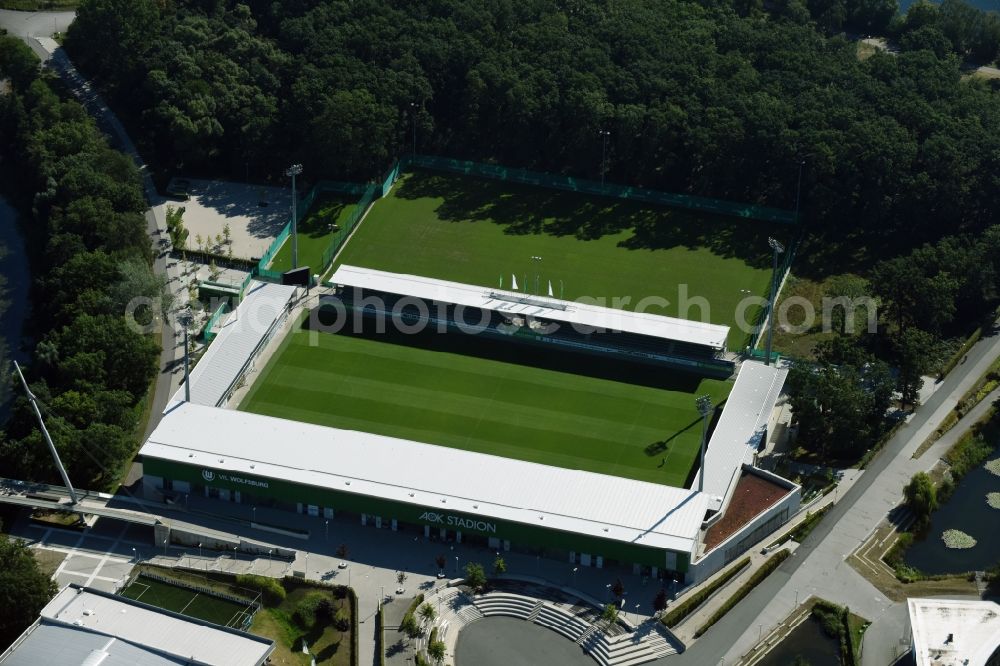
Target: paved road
[[32, 24], [818, 567]]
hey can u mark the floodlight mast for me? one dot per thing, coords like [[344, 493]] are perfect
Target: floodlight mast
[[778, 249], [293, 171], [45, 433], [185, 320], [704, 404]]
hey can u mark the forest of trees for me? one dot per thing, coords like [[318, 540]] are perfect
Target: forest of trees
[[91, 369], [709, 97]]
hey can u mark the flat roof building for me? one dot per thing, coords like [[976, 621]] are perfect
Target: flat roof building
[[85, 626], [951, 632]]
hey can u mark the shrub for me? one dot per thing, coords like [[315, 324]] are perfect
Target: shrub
[[688, 606], [409, 623], [307, 610], [271, 591], [769, 565], [808, 524], [342, 619]]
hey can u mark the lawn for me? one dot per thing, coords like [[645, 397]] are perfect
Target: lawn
[[480, 231], [504, 399], [185, 601], [315, 232]]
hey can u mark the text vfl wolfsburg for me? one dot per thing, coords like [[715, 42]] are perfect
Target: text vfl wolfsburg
[[458, 521]]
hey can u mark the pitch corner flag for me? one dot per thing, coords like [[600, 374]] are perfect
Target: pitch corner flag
[[513, 280]]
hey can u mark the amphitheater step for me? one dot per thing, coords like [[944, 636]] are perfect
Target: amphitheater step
[[535, 611]]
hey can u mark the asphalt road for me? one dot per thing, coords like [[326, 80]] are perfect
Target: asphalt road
[[31, 24], [820, 558]]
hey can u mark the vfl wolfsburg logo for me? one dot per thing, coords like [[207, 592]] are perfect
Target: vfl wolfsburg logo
[[208, 475]]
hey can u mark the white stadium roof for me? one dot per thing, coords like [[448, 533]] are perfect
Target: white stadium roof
[[738, 432], [82, 626], [213, 376], [582, 315], [426, 475], [950, 632]]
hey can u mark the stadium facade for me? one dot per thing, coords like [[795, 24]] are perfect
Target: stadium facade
[[447, 494]]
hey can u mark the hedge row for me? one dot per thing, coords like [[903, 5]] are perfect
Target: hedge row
[[271, 591], [409, 622], [689, 605], [804, 528], [770, 565]]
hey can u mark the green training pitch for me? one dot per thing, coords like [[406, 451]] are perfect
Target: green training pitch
[[480, 231], [468, 393], [186, 602], [316, 232]]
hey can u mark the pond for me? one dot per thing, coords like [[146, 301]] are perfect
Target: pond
[[808, 641], [14, 285], [967, 511]]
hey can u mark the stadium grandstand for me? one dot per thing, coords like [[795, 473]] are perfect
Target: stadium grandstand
[[414, 301]]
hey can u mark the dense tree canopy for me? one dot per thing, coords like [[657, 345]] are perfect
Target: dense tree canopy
[[24, 589], [90, 368], [708, 97]]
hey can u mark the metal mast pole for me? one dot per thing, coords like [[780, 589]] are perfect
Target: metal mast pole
[[185, 320], [778, 249], [45, 433], [704, 404]]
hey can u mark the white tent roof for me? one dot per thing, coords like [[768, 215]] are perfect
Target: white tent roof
[[409, 472], [738, 432], [218, 368], [582, 316], [950, 632]]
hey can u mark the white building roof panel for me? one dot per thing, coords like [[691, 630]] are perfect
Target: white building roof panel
[[738, 432], [426, 475], [120, 619], [949, 632], [582, 316], [213, 376]]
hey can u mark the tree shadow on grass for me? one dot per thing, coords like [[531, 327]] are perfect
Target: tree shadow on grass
[[323, 214], [525, 209]]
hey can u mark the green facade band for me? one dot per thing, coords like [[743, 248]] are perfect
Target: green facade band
[[414, 514]]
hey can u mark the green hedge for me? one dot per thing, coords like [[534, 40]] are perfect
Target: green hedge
[[688, 606], [409, 618], [379, 636], [770, 565], [271, 591], [960, 354], [809, 524]]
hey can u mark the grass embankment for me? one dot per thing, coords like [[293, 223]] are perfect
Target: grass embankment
[[478, 231], [503, 399]]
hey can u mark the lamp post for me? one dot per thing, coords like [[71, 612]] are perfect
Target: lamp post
[[604, 150], [327, 524], [135, 555], [575, 569], [456, 565], [778, 249], [704, 404], [164, 547], [536, 259], [253, 514], [293, 171]]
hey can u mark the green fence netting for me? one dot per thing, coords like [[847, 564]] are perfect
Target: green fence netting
[[338, 240], [583, 186]]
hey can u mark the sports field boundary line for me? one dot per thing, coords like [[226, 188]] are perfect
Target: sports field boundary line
[[333, 261], [196, 595]]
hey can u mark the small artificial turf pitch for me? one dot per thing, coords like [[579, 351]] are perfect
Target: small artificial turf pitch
[[186, 602], [479, 231], [315, 232], [505, 399]]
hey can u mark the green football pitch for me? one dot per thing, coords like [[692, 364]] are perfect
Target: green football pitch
[[187, 602], [480, 232], [514, 401], [316, 232]]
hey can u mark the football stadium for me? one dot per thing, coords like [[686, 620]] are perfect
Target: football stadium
[[492, 415]]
